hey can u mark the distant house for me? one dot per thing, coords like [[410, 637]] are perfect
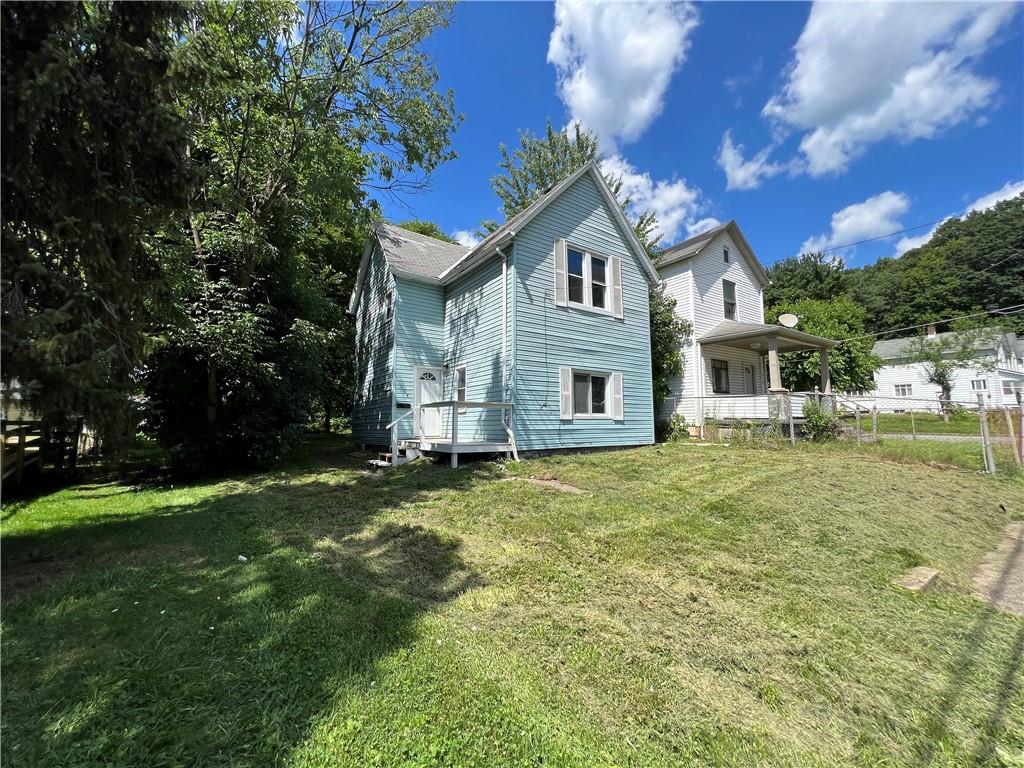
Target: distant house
[[537, 338], [731, 371], [901, 385]]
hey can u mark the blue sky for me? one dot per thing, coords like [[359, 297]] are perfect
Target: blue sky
[[812, 126]]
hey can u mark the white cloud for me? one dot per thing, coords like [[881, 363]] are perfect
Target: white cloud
[[875, 217], [675, 203], [868, 71], [1008, 190], [465, 237], [703, 225], [983, 203], [614, 62], [744, 174]]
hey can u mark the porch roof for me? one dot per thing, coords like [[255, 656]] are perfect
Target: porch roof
[[730, 333]]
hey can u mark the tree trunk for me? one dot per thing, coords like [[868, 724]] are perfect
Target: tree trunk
[[211, 393], [328, 412]]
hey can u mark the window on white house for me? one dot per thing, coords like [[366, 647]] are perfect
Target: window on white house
[[979, 385], [725, 255], [903, 390], [729, 298], [720, 377], [1011, 387], [589, 394], [588, 279], [389, 305]]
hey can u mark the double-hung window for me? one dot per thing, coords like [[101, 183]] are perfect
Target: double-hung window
[[903, 390], [720, 377], [729, 299], [979, 385], [589, 394], [588, 279], [1011, 387]]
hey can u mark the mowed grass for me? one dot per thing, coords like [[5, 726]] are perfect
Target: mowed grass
[[962, 423], [965, 455], [694, 606]]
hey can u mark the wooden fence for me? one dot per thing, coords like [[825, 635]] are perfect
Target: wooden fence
[[28, 444]]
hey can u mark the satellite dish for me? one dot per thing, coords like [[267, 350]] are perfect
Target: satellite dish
[[788, 320]]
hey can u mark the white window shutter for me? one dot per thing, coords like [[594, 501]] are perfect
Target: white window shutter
[[565, 400], [616, 281], [617, 397], [561, 276]]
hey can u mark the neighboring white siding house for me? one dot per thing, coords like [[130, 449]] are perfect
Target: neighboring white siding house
[[901, 385], [718, 285]]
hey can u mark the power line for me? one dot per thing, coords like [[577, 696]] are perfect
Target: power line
[[1013, 309], [882, 237]]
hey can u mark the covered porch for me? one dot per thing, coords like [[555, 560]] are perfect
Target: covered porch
[[739, 377]]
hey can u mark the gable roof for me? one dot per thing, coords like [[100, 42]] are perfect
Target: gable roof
[[507, 231], [426, 258], [896, 349], [415, 254], [694, 245]]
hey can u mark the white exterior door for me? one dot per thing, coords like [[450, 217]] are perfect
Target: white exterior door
[[748, 380], [428, 390]]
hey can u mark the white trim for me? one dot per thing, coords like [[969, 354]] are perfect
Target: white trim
[[733, 229], [465, 387], [485, 247], [416, 371], [588, 279]]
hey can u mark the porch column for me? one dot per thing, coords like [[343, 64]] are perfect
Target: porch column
[[826, 376], [774, 376]]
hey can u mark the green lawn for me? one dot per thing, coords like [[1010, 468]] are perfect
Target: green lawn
[[966, 455], [695, 606], [965, 423]]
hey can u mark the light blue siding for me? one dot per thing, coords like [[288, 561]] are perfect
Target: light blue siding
[[371, 411], [473, 339], [419, 339], [548, 337]]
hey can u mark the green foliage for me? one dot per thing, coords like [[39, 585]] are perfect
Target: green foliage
[[295, 110], [969, 264], [808, 276], [852, 363], [942, 356], [678, 429], [669, 334], [94, 160], [428, 228], [820, 424]]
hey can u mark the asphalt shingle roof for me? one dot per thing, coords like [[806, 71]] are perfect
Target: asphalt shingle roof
[[896, 349], [695, 243], [415, 253]]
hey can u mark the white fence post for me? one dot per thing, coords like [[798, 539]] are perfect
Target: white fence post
[[986, 445]]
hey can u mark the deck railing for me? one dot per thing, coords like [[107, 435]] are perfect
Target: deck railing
[[454, 406]]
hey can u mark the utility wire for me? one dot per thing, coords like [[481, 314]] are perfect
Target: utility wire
[[1013, 309], [882, 237]]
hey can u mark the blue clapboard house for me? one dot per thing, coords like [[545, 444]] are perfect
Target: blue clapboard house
[[537, 338]]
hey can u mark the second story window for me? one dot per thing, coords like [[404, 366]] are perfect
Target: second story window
[[588, 279], [389, 305], [729, 299], [725, 255]]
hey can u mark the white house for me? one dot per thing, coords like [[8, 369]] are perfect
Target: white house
[[901, 385], [731, 369]]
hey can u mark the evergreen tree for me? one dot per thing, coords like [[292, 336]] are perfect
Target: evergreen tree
[[94, 160]]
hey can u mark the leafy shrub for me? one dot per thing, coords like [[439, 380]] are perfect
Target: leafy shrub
[[820, 424], [677, 429]]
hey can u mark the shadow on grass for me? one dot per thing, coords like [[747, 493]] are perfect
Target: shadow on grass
[[963, 667], [152, 643]]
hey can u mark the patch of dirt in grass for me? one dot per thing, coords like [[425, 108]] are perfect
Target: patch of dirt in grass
[[548, 482], [999, 579]]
